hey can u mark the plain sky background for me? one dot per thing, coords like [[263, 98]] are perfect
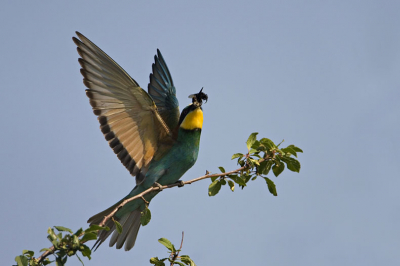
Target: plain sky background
[[323, 75]]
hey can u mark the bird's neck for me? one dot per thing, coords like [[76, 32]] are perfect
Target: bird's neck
[[189, 137]]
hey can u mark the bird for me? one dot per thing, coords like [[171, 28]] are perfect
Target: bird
[[155, 142]]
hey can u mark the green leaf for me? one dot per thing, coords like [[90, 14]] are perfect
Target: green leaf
[[221, 169], [265, 167], [292, 164], [157, 262], [214, 178], [44, 249], [179, 263], [237, 155], [28, 253], [271, 186], [255, 146], [254, 161], [95, 227], [251, 151], [290, 151], [77, 233], [250, 141], [61, 253], [118, 226], [63, 229], [51, 233], [76, 241], [246, 178], [46, 261], [269, 144], [214, 188], [86, 252], [278, 168], [238, 180], [297, 149], [146, 217], [223, 182], [71, 253], [167, 244], [89, 236], [21, 260], [231, 185], [60, 261], [280, 143], [154, 260], [187, 260]]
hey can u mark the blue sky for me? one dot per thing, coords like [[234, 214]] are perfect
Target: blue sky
[[323, 75]]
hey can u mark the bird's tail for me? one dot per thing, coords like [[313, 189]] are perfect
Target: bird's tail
[[128, 216], [130, 227]]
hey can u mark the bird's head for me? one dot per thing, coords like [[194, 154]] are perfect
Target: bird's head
[[192, 115], [197, 98]]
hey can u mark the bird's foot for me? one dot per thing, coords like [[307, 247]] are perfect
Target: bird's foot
[[180, 183], [158, 185]]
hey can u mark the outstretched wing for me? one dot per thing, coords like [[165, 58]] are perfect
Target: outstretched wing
[[127, 114], [162, 90]]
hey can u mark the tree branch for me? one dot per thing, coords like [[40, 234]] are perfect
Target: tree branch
[[176, 255], [141, 195], [177, 184], [46, 254]]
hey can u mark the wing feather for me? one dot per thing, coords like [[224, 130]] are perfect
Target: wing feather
[[162, 90], [127, 115]]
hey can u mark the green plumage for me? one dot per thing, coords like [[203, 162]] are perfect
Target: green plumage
[[168, 169]]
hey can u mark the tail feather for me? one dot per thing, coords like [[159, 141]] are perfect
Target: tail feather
[[128, 216], [98, 218], [115, 235], [130, 227], [103, 234], [125, 230], [133, 232]]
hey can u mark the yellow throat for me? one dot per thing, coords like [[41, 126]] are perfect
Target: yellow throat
[[193, 120]]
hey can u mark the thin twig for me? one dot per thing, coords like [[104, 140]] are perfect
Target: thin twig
[[46, 254], [180, 248], [176, 255]]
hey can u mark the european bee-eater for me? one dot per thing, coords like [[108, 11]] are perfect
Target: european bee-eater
[[145, 130]]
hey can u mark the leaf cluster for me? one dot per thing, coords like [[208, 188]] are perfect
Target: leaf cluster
[[174, 257], [65, 244], [262, 156]]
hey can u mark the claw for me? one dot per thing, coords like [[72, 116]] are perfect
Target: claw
[[180, 183], [158, 185]]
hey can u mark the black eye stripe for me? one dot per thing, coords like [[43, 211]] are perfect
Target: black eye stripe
[[185, 111]]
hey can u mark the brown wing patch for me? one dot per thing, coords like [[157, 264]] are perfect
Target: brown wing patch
[[127, 115]]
